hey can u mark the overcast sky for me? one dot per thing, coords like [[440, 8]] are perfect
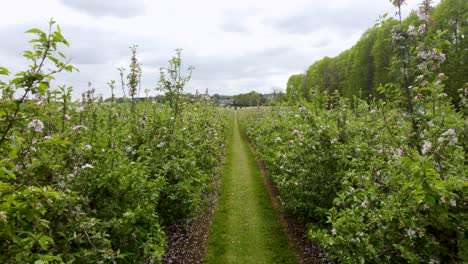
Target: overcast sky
[[236, 46]]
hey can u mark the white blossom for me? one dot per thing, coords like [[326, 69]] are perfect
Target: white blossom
[[410, 233], [37, 125], [80, 127], [453, 202], [422, 28], [449, 136], [3, 216], [452, 140], [411, 31], [422, 66], [277, 139], [449, 132], [47, 138], [87, 147], [364, 203], [87, 165], [333, 231], [426, 147]]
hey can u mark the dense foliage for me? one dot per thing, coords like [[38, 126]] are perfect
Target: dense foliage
[[249, 99], [98, 181], [381, 180], [359, 70]]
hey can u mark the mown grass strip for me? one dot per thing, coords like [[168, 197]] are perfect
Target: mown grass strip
[[245, 228]]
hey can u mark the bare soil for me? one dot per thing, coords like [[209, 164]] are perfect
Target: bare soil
[[187, 240]]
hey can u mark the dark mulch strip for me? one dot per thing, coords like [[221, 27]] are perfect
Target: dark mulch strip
[[187, 240]]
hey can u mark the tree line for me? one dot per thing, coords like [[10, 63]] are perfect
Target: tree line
[[360, 70]]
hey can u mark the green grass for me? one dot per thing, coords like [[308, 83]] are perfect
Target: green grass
[[245, 228]]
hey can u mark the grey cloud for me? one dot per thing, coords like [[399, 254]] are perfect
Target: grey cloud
[[322, 42], [235, 20], [87, 45], [257, 64], [95, 46], [318, 16], [116, 8], [233, 27], [240, 74], [14, 40]]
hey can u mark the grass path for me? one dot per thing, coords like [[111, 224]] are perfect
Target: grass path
[[245, 228]]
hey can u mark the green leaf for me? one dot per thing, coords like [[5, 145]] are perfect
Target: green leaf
[[44, 241], [53, 59], [4, 71], [62, 55], [407, 185], [28, 54], [35, 31], [43, 86], [69, 68]]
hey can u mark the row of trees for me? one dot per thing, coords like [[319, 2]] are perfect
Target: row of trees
[[99, 181], [360, 70], [381, 180]]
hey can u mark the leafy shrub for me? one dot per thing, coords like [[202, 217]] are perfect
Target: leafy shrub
[[381, 181], [97, 181]]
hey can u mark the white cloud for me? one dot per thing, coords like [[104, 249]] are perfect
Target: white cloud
[[235, 45], [118, 8]]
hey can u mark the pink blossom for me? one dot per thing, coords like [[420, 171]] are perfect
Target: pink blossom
[[422, 29], [401, 152], [426, 147]]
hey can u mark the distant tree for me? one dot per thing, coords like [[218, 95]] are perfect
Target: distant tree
[[358, 71], [452, 16]]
